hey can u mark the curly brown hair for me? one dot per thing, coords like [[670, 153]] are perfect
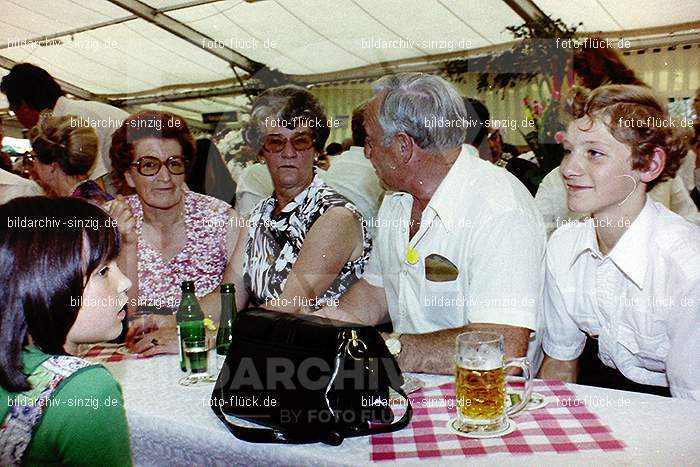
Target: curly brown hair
[[635, 117], [289, 106], [141, 125]]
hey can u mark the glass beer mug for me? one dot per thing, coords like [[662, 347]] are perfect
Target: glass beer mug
[[481, 382]]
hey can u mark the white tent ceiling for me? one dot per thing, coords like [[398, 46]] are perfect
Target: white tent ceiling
[[106, 49]]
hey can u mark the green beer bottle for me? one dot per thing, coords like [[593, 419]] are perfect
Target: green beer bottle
[[228, 315], [190, 320]]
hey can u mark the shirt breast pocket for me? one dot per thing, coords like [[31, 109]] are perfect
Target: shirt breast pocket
[[443, 303], [650, 351]]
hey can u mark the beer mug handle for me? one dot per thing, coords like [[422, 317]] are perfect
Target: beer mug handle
[[524, 365]]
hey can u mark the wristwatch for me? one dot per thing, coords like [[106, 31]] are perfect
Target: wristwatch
[[393, 344]]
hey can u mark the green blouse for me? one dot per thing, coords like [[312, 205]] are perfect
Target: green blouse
[[84, 423]]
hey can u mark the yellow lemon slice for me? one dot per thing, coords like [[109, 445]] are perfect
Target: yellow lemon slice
[[209, 324]]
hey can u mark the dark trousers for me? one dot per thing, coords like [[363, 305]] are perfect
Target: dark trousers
[[592, 372], [695, 194]]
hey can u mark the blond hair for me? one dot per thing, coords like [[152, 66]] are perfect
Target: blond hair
[[67, 141]]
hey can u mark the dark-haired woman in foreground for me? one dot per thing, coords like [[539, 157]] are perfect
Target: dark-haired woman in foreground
[[60, 288]]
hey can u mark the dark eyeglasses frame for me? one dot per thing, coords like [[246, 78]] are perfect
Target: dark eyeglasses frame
[[138, 164], [292, 139]]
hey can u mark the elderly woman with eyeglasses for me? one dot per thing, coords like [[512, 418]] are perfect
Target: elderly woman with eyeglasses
[[170, 234], [306, 244]]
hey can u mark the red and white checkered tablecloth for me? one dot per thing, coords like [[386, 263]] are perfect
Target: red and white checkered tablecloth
[[108, 353], [564, 425]]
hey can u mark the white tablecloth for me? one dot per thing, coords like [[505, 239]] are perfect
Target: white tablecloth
[[174, 425]]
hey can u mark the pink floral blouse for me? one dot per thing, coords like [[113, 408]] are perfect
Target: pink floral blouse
[[202, 260]]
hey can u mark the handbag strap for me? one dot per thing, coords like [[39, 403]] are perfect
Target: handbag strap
[[269, 435], [393, 426]]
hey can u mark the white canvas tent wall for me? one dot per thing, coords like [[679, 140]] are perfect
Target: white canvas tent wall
[[183, 52]]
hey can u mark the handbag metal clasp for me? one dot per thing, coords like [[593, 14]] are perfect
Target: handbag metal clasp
[[354, 346]]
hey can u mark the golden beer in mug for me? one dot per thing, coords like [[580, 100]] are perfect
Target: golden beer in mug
[[481, 382], [484, 389]]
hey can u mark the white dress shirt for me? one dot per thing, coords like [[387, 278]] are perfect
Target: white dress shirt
[[13, 186], [484, 221], [352, 175], [253, 185], [104, 118], [551, 200], [642, 300]]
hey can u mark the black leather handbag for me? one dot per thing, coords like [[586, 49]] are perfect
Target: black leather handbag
[[307, 379]]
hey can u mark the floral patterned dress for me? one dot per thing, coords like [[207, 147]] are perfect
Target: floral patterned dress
[[202, 260], [273, 245]]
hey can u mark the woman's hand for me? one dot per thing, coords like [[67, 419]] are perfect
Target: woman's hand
[[151, 335], [126, 222]]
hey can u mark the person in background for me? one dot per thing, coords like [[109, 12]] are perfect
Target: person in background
[[334, 149], [491, 147], [254, 185], [347, 142], [5, 161], [64, 152], [622, 290], [477, 130], [31, 90], [500, 148], [306, 243], [68, 292], [12, 185], [170, 234], [451, 227], [209, 175], [352, 175], [695, 144]]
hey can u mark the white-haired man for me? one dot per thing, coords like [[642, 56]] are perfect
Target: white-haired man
[[460, 243]]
